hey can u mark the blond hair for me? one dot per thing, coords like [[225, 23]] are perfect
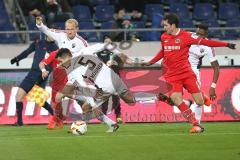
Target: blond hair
[[72, 21]]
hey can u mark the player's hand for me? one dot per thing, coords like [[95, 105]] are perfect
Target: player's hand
[[45, 74], [145, 63], [14, 60], [109, 63], [38, 20], [97, 111], [212, 94], [231, 46]]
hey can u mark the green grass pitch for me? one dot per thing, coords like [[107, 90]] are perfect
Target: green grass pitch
[[157, 141]]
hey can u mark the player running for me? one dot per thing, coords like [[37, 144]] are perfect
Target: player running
[[178, 72]]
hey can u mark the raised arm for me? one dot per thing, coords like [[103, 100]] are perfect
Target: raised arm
[[49, 32]]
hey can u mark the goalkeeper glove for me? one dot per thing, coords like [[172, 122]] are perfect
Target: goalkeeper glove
[[15, 60], [231, 46]]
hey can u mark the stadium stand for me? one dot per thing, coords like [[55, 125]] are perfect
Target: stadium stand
[[82, 13]]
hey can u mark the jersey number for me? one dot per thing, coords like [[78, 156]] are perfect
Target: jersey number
[[91, 65]]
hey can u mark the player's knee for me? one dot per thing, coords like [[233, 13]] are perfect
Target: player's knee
[[199, 101], [19, 96], [58, 97], [177, 100]]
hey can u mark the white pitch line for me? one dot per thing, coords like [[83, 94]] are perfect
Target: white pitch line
[[113, 135]]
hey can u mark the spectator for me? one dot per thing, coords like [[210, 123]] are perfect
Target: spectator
[[122, 20], [58, 10], [32, 9]]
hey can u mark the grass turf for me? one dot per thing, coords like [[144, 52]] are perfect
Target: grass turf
[[162, 141]]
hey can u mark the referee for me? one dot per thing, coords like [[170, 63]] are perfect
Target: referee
[[34, 76]]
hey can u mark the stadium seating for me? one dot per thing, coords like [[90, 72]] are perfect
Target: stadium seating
[[139, 24], [8, 38], [82, 13], [203, 11], [59, 25], [100, 2], [186, 23], [232, 34], [156, 23], [213, 33], [228, 11], [104, 13], [180, 9], [169, 2], [106, 25], [151, 9], [89, 36]]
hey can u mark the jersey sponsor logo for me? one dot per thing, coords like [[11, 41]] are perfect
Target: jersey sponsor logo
[[171, 48], [73, 45], [201, 50]]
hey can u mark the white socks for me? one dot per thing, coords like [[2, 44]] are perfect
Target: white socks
[[198, 111], [106, 120]]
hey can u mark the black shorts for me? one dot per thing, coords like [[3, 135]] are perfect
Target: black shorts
[[33, 77]]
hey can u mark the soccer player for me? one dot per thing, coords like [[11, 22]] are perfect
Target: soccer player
[[89, 79], [115, 63], [42, 48], [196, 53], [64, 39], [175, 44]]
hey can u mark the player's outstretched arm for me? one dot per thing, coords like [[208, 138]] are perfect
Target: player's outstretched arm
[[24, 54], [193, 39], [158, 57], [49, 32]]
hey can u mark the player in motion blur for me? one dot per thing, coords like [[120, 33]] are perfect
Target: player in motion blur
[[178, 72], [64, 39]]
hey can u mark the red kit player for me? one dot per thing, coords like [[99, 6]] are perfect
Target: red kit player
[[178, 72]]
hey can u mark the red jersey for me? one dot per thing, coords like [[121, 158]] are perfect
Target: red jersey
[[51, 60], [175, 53], [59, 74]]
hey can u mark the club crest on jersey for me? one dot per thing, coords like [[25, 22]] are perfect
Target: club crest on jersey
[[177, 40], [194, 36], [201, 50], [73, 45]]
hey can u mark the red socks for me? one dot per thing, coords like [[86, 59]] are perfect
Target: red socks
[[187, 113]]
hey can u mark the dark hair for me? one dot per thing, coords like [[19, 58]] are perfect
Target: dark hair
[[106, 37], [63, 52], [203, 26], [172, 18]]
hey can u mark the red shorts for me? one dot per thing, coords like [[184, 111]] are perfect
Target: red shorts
[[190, 84]]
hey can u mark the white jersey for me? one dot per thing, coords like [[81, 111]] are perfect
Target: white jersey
[[89, 74], [60, 37], [196, 53]]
